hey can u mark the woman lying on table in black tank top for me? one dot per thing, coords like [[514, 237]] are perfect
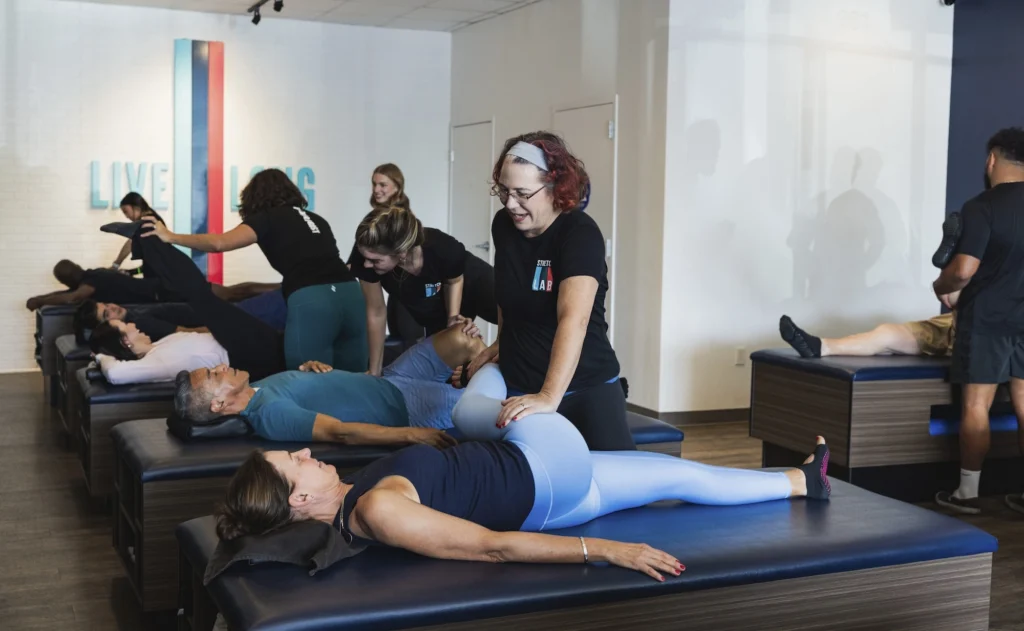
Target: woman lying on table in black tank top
[[427, 271], [550, 282], [468, 502]]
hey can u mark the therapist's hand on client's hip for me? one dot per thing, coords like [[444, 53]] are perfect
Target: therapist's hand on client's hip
[[518, 408]]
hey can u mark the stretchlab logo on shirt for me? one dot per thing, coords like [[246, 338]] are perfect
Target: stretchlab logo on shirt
[[542, 279], [433, 289]]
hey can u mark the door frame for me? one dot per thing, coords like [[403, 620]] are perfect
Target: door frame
[[491, 331], [451, 177], [615, 197]]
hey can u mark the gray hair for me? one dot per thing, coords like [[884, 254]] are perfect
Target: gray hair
[[192, 404]]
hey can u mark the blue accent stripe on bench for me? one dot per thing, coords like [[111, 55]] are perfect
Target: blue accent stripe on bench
[[951, 427]]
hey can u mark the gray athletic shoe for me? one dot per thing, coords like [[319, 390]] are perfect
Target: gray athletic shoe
[[965, 507], [1014, 502]]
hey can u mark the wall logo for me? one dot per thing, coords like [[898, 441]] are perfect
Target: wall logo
[[198, 164], [542, 279]]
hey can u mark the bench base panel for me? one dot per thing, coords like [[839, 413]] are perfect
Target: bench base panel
[[674, 448], [943, 595]]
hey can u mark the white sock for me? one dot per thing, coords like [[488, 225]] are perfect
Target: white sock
[[968, 485]]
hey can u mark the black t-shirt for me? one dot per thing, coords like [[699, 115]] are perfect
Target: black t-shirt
[[120, 288], [527, 274], [993, 302], [300, 246], [444, 258], [159, 321]]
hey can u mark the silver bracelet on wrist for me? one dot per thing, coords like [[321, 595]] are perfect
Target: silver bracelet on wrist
[[586, 557]]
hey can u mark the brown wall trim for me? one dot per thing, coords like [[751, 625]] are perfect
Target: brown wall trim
[[694, 418]]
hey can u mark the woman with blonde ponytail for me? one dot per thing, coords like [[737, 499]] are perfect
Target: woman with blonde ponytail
[[429, 272]]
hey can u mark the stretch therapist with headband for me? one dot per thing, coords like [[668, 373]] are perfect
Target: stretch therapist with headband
[[550, 283]]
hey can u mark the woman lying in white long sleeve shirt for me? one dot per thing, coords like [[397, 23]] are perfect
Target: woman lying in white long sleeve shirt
[[127, 355]]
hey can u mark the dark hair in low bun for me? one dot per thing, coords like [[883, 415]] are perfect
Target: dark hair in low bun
[[256, 501]]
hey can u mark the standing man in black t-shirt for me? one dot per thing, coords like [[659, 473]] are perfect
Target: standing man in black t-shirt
[[326, 311], [427, 271], [550, 281], [989, 347]]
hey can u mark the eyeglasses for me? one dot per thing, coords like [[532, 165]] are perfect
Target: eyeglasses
[[502, 193]]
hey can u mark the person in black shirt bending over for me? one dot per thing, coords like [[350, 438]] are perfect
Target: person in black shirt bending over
[[430, 273], [989, 347], [326, 311], [550, 281]]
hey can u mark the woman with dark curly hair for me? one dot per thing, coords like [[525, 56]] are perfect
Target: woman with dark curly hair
[[326, 311], [550, 282]]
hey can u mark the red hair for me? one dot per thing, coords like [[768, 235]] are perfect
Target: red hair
[[566, 176]]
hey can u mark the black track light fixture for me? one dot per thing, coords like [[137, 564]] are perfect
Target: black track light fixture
[[278, 5], [256, 16]]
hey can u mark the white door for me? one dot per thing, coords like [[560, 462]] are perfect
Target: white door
[[469, 217], [590, 133]]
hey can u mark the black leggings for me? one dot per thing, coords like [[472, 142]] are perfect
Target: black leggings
[[252, 345], [599, 413]]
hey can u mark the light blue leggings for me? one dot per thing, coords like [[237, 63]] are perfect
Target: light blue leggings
[[574, 486]]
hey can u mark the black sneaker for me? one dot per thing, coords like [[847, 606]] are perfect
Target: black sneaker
[[965, 507], [951, 229], [1014, 503]]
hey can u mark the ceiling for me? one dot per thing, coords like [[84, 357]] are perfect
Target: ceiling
[[423, 15]]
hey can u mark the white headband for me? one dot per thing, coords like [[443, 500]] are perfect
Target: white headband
[[531, 153]]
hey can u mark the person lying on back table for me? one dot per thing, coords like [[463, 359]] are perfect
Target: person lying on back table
[[410, 403], [105, 285], [156, 321], [932, 337], [98, 284]]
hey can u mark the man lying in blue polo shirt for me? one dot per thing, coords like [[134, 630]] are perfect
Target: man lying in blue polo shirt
[[410, 403]]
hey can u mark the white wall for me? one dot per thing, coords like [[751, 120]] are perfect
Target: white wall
[[806, 153], [519, 68], [82, 82]]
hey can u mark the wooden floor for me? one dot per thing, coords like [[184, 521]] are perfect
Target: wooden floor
[[58, 568]]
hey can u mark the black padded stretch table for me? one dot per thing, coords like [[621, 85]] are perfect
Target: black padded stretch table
[[651, 434], [862, 561], [51, 323], [70, 359], [875, 413], [162, 481], [101, 406]]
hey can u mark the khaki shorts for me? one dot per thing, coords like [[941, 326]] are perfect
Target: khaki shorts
[[935, 336]]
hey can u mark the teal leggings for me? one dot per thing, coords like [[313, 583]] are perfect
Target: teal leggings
[[327, 323]]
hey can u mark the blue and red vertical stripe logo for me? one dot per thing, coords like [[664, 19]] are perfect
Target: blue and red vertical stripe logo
[[199, 145]]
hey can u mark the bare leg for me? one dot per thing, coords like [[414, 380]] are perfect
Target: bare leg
[[455, 348], [885, 339], [1017, 397], [974, 429]]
